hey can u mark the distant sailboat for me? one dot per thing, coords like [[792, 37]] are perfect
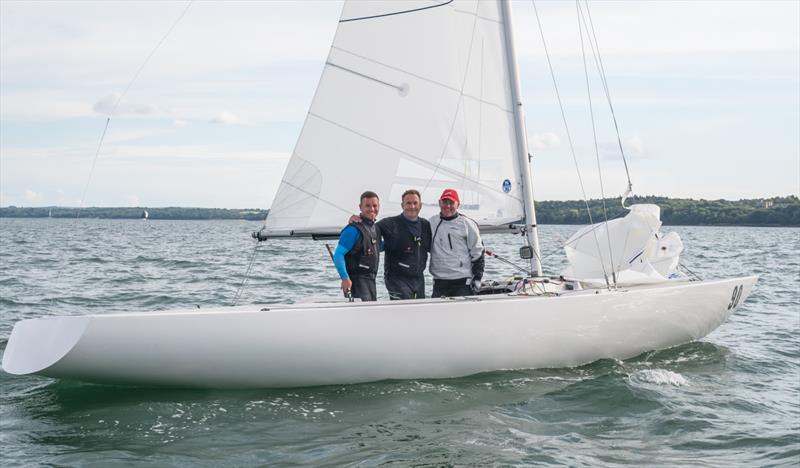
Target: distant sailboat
[[145, 215], [425, 95]]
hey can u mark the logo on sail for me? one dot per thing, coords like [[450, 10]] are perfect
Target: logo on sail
[[506, 185]]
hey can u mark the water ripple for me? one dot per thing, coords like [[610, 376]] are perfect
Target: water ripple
[[731, 399]]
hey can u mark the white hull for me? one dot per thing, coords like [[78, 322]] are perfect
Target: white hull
[[341, 343]]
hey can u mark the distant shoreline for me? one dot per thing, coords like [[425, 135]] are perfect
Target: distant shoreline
[[762, 212], [167, 213]]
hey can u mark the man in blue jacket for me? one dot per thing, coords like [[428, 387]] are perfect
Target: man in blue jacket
[[357, 255]]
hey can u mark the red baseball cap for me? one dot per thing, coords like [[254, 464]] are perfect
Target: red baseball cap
[[450, 194]]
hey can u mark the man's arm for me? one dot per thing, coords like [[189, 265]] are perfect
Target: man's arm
[[384, 226], [476, 252], [347, 239], [474, 241]]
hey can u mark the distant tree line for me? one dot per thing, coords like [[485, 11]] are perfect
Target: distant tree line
[[133, 213], [776, 211]]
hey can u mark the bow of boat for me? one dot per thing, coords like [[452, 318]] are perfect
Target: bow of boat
[[37, 344]]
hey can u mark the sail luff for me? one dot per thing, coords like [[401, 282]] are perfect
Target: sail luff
[[522, 141]]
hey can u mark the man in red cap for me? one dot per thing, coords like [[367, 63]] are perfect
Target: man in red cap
[[457, 260]]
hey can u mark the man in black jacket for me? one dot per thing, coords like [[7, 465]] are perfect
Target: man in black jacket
[[406, 243]]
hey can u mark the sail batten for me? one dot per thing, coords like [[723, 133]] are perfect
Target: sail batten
[[423, 78], [407, 101]]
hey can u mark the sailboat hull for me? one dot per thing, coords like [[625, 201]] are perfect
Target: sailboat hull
[[341, 343]]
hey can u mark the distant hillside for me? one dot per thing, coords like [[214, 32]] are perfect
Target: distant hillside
[[776, 211]]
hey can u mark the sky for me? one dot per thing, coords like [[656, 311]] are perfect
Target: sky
[[706, 94]]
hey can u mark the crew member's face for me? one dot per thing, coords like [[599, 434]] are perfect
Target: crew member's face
[[411, 206], [369, 208], [448, 207]]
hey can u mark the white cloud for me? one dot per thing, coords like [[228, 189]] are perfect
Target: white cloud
[[227, 118], [634, 148], [111, 105], [180, 123], [32, 197], [540, 141]]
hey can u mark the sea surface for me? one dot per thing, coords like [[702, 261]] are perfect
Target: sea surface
[[732, 399]]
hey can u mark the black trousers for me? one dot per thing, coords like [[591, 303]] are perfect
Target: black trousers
[[452, 288], [364, 287], [405, 287]]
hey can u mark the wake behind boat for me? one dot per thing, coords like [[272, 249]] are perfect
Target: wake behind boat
[[416, 95]]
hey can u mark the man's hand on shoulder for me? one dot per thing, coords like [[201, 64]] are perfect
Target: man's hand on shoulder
[[354, 219]]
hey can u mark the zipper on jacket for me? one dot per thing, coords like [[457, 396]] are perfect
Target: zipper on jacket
[[450, 241], [419, 249]]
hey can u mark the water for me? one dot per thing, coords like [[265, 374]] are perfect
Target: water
[[732, 399]]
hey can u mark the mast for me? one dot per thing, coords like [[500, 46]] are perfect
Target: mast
[[522, 139]]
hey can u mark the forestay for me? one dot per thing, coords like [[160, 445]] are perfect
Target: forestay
[[413, 94]]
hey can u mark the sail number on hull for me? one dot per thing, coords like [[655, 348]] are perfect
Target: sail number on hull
[[735, 296]]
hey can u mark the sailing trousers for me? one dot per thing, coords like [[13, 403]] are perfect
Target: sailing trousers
[[363, 287], [405, 287], [452, 287]]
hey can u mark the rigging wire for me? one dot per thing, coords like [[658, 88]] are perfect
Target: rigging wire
[[506, 261], [121, 97], [239, 291], [149, 56], [91, 169], [601, 69], [569, 136], [112, 114], [581, 25], [459, 104], [690, 271]]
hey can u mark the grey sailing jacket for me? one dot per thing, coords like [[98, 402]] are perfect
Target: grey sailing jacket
[[456, 243]]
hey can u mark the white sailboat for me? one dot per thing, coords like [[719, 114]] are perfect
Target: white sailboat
[[422, 95]]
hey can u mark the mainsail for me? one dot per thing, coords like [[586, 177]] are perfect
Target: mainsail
[[414, 94]]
